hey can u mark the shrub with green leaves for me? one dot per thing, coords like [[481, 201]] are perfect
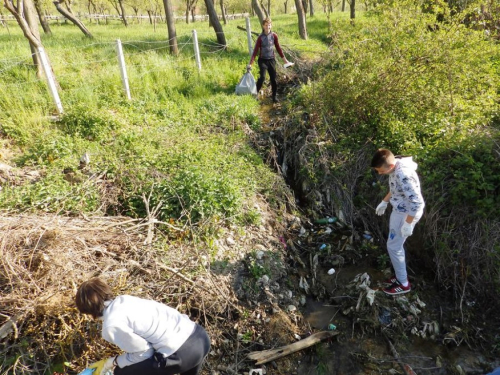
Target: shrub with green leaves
[[402, 80]]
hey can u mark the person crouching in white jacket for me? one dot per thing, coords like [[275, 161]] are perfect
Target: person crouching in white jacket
[[155, 338]]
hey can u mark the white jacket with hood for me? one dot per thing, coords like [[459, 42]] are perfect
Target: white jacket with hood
[[404, 184]]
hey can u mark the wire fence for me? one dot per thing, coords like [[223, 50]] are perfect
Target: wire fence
[[130, 53], [139, 17]]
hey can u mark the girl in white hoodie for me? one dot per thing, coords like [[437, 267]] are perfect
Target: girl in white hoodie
[[155, 338]]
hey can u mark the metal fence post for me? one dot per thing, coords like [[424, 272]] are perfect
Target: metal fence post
[[123, 68], [50, 79], [196, 50]]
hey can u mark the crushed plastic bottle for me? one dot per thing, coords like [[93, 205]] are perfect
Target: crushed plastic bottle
[[87, 371], [326, 220], [332, 327]]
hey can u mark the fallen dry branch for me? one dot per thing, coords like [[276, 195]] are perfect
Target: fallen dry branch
[[272, 354]]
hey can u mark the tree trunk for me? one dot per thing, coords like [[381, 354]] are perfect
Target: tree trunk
[[311, 8], [286, 6], [32, 34], [353, 9], [302, 19], [221, 38], [72, 18], [31, 18], [224, 18], [343, 5], [264, 9], [122, 13], [42, 18], [304, 5], [269, 8], [172, 35], [258, 10]]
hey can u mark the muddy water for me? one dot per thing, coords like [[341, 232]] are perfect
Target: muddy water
[[354, 352]]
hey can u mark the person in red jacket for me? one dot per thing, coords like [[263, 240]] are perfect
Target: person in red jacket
[[265, 48]]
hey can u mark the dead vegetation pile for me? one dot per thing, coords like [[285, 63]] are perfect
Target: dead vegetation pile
[[45, 258]]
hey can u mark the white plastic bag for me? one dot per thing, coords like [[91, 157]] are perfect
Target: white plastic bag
[[247, 85]]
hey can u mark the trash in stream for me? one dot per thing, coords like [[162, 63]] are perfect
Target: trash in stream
[[385, 316], [326, 220], [331, 271], [332, 327], [303, 284]]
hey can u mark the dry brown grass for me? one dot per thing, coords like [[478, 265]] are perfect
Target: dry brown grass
[[43, 259]]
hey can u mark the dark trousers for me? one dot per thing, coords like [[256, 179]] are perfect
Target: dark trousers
[[267, 65], [185, 361]]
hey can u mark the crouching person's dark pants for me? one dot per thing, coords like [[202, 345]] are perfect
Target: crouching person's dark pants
[[186, 361]]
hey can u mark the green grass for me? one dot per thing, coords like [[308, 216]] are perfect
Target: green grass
[[180, 137]]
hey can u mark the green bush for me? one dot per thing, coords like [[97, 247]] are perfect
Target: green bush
[[432, 92], [88, 123]]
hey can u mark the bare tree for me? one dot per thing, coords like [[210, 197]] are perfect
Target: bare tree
[[302, 19], [153, 9], [264, 9], [311, 8], [172, 34], [343, 5], [42, 18], [286, 6], [190, 6], [120, 9], [258, 10], [223, 12], [70, 16], [352, 4], [25, 16], [214, 20], [304, 5]]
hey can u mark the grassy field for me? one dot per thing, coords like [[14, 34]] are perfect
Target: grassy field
[[180, 138]]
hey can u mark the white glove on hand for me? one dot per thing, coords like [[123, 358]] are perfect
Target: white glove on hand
[[407, 229], [381, 208], [103, 366]]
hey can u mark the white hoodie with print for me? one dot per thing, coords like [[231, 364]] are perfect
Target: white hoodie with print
[[404, 184]]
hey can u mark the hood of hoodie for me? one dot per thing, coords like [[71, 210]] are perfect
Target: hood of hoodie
[[407, 163]]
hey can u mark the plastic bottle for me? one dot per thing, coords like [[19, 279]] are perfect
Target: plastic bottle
[[326, 220], [87, 371]]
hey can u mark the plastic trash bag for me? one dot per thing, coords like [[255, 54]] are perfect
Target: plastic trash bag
[[247, 85]]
